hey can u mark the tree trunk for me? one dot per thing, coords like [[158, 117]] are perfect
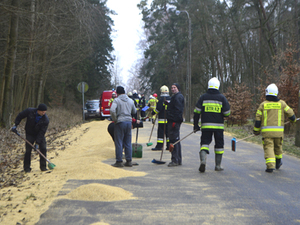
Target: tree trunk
[[7, 110]]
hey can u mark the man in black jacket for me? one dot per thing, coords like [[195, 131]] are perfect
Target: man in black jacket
[[35, 127], [213, 107], [174, 117]]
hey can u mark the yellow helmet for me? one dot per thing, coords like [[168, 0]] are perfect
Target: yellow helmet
[[164, 88]]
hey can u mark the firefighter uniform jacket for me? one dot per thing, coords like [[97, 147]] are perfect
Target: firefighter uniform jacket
[[213, 107], [160, 108], [270, 118]]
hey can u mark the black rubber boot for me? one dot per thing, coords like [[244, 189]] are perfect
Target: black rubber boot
[[218, 159], [202, 155], [278, 163]]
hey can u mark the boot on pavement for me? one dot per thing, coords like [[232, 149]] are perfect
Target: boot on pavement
[[218, 159], [278, 163], [202, 161]]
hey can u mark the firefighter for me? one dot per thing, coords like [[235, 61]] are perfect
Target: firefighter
[[113, 96], [142, 104], [212, 107], [269, 120], [152, 106], [136, 99], [160, 110]]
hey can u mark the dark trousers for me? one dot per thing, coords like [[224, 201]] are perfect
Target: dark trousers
[[206, 139], [42, 149], [122, 138], [160, 136], [174, 135], [111, 130]]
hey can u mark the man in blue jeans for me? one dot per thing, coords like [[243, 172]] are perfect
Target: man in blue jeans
[[121, 112]]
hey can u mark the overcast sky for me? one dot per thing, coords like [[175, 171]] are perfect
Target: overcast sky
[[128, 31]]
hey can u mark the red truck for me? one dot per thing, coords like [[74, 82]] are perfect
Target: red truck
[[104, 107]]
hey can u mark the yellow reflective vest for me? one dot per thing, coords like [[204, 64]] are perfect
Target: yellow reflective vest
[[271, 114]]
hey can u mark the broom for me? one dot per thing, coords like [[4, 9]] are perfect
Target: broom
[[150, 143], [50, 165], [171, 148], [234, 141]]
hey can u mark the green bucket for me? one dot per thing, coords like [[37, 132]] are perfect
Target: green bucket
[[137, 150]]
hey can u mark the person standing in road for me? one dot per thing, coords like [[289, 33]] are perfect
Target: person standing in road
[[161, 111], [35, 128], [269, 120], [113, 96], [213, 107], [174, 117], [121, 112]]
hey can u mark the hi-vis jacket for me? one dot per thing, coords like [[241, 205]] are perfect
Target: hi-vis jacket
[[213, 107], [161, 107], [270, 118]]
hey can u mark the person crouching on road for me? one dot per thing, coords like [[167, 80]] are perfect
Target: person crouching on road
[[121, 112], [213, 107], [174, 117], [35, 128], [269, 120]]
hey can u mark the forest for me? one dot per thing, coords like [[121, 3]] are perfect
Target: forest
[[246, 43], [48, 47]]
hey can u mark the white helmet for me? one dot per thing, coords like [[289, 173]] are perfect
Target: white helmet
[[129, 93], [214, 83], [272, 90], [134, 92], [151, 96], [164, 89]]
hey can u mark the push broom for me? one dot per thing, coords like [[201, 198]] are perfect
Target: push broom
[[50, 165], [234, 141]]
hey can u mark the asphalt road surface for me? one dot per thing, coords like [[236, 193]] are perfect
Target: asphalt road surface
[[241, 194]]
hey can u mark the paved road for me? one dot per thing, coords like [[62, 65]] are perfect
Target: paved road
[[241, 194]]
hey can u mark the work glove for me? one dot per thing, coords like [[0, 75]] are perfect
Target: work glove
[[166, 102], [196, 128], [14, 129], [294, 121], [36, 147], [153, 113], [173, 124], [256, 132]]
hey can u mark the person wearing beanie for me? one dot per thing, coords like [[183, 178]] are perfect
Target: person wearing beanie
[[175, 108], [121, 112], [212, 107], [35, 128], [269, 120]]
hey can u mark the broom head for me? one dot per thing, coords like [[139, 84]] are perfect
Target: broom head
[[51, 166], [233, 144], [149, 143], [158, 162]]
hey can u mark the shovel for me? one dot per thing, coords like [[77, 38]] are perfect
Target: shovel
[[171, 148], [162, 151], [50, 165]]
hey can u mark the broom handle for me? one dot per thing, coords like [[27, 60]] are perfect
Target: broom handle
[[254, 134], [34, 148], [165, 117], [183, 138], [152, 129]]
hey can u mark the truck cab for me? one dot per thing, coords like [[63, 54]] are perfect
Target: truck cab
[[104, 104]]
